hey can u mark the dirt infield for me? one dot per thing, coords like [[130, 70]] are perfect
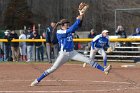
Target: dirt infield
[[70, 78]]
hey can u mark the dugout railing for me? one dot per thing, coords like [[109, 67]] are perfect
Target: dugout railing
[[119, 53]]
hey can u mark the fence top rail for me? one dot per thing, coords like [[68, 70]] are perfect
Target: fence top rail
[[75, 40]]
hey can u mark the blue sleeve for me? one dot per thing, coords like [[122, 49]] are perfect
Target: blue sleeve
[[94, 41], [74, 27]]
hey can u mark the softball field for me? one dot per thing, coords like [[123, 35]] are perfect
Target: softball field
[[70, 78]]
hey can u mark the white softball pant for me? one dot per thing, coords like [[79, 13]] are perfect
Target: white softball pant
[[100, 51], [65, 56]]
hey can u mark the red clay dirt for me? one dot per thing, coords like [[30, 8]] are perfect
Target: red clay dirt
[[70, 78]]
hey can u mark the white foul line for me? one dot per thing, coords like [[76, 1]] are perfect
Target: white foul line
[[117, 82], [72, 91]]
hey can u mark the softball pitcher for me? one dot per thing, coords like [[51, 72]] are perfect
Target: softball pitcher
[[64, 36]]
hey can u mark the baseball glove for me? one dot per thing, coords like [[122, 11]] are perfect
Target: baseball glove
[[109, 50], [83, 8]]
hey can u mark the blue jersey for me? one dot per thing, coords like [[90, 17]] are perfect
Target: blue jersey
[[65, 38], [100, 42]]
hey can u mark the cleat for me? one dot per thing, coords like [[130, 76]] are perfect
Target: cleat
[[106, 73], [107, 69], [34, 83]]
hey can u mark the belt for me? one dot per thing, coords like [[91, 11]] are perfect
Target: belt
[[67, 50]]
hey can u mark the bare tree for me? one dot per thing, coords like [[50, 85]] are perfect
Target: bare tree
[[17, 15]]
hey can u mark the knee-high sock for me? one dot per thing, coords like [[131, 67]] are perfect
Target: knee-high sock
[[105, 62], [42, 76], [96, 65]]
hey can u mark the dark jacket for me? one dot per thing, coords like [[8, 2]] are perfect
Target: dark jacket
[[36, 37], [51, 36], [121, 33], [8, 38], [91, 35], [14, 36], [1, 52]]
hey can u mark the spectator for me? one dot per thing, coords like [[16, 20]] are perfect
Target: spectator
[[29, 46], [7, 47], [22, 46], [14, 46], [39, 47], [51, 41], [1, 54], [137, 32], [121, 32], [74, 35], [44, 37], [44, 43], [54, 42], [92, 34]]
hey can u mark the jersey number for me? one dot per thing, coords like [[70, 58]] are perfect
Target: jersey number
[[69, 38]]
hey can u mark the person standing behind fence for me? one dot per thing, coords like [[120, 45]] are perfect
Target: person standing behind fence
[[14, 46], [137, 32], [92, 34], [29, 46], [51, 42], [75, 36], [1, 54], [121, 32], [7, 46], [38, 46], [22, 46], [43, 36]]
